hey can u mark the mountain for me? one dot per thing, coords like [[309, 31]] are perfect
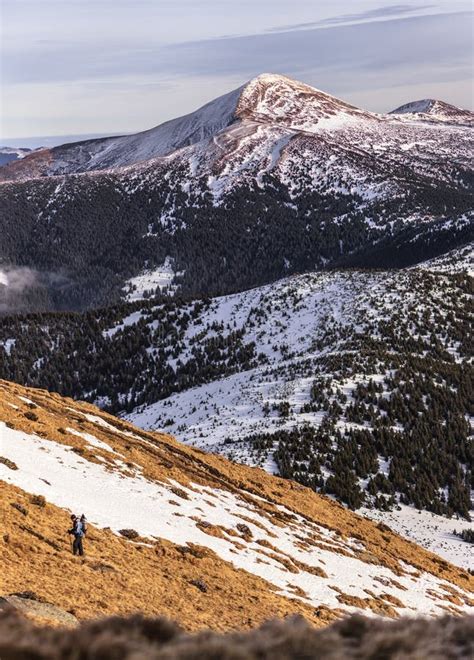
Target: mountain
[[277, 178], [354, 383], [267, 98], [173, 529], [433, 110]]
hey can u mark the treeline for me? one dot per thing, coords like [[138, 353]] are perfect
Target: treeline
[[99, 357]]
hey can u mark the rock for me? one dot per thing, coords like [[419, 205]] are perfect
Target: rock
[[200, 584], [36, 607]]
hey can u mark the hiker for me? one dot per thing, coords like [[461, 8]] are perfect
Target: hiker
[[78, 529]]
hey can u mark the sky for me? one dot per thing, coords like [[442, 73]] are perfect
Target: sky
[[77, 67]]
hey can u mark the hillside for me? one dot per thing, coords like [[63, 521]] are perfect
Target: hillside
[[355, 383], [275, 178], [224, 545], [434, 110]]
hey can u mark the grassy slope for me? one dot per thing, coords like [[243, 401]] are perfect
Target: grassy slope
[[121, 576]]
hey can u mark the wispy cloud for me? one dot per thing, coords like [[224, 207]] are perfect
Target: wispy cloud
[[380, 13], [118, 80]]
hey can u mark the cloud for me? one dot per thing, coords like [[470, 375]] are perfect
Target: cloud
[[370, 46], [16, 280], [111, 86], [343, 59], [360, 17], [20, 285]]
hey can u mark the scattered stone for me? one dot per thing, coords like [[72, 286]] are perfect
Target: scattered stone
[[179, 492], [29, 603], [39, 536], [38, 500], [19, 507], [199, 584], [244, 530], [101, 567]]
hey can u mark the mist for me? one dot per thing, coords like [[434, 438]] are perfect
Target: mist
[[25, 289]]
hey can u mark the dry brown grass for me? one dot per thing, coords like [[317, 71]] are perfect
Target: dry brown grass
[[120, 577], [157, 580], [137, 638]]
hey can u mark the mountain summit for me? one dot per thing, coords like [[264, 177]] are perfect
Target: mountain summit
[[433, 109], [275, 98]]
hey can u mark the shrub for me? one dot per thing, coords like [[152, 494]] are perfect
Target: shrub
[[466, 535], [199, 584], [38, 500], [10, 464], [130, 534]]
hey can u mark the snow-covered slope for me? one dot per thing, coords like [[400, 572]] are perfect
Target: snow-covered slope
[[318, 333], [112, 152], [304, 548], [434, 110], [460, 260], [272, 98]]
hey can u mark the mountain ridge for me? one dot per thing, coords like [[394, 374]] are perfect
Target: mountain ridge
[[268, 98], [435, 110]]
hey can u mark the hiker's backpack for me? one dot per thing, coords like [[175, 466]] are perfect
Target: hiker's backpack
[[83, 522]]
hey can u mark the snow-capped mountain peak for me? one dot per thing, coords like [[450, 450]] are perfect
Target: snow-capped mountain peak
[[278, 99], [433, 109], [270, 99], [424, 105]]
